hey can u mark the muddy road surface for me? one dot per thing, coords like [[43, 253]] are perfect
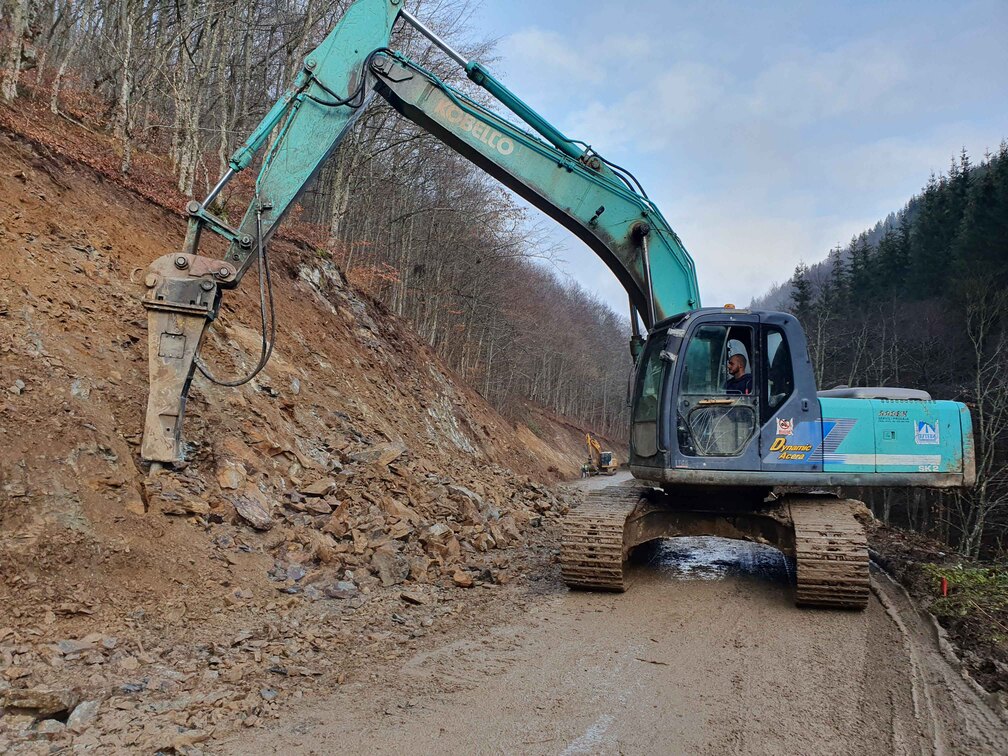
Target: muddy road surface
[[705, 654]]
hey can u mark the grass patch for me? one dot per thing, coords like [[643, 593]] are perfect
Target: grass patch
[[977, 596], [975, 610]]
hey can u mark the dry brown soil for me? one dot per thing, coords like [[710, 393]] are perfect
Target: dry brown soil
[[162, 599]]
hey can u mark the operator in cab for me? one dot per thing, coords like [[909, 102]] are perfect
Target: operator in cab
[[739, 382]]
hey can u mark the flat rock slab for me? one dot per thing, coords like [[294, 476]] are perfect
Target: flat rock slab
[[40, 702]]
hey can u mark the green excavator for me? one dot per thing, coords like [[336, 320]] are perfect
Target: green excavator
[[728, 430]]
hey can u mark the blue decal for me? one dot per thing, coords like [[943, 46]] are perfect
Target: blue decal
[[925, 432], [795, 442]]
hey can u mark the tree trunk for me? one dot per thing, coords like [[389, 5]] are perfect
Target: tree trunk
[[13, 29], [58, 81], [119, 125]]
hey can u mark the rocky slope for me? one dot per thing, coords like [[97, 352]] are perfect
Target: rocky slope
[[336, 507]]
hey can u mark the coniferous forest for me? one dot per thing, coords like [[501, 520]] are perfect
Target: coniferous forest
[[920, 301]]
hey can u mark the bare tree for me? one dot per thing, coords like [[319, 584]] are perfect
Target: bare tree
[[986, 307]]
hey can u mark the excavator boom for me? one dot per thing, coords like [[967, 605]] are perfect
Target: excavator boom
[[599, 202], [583, 193]]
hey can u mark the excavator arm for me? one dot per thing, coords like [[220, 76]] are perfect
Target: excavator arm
[[599, 202], [574, 186]]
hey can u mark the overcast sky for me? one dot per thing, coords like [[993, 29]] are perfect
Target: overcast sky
[[766, 132]]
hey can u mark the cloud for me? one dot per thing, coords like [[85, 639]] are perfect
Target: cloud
[[903, 163], [807, 86], [648, 116], [771, 135], [547, 64]]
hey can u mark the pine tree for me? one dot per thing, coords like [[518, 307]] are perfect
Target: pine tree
[[837, 293], [801, 292], [980, 244], [929, 239], [862, 283], [890, 264]]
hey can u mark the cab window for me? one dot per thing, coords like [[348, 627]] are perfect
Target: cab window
[[777, 370], [704, 368], [649, 381], [705, 372], [713, 418]]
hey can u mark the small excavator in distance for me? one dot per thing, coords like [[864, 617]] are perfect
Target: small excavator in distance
[[709, 459], [599, 462]]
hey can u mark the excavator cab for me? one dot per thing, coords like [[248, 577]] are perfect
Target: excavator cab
[[696, 423]]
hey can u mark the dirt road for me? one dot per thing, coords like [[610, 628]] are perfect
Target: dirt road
[[705, 654]]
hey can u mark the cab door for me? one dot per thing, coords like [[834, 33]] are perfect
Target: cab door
[[717, 425], [792, 426], [647, 409]]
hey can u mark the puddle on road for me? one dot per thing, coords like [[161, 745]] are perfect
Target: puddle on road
[[712, 558]]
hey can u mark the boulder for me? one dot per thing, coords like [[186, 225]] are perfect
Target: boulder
[[253, 507], [40, 702], [462, 579], [230, 476], [441, 543], [389, 565], [322, 487], [380, 455], [83, 716], [338, 524], [341, 589]]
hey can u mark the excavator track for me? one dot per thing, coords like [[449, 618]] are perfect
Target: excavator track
[[831, 550], [592, 552], [822, 532]]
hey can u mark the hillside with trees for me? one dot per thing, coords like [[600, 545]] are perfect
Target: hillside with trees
[[920, 301], [171, 90]]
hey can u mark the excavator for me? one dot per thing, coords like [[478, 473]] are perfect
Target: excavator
[[599, 462], [748, 457]]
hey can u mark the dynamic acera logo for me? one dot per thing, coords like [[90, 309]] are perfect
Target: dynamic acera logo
[[790, 452], [489, 136], [785, 427], [925, 432]]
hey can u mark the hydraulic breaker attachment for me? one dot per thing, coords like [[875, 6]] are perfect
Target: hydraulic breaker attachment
[[181, 300], [306, 124]]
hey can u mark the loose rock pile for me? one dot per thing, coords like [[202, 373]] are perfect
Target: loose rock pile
[[371, 555], [381, 512], [352, 499]]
